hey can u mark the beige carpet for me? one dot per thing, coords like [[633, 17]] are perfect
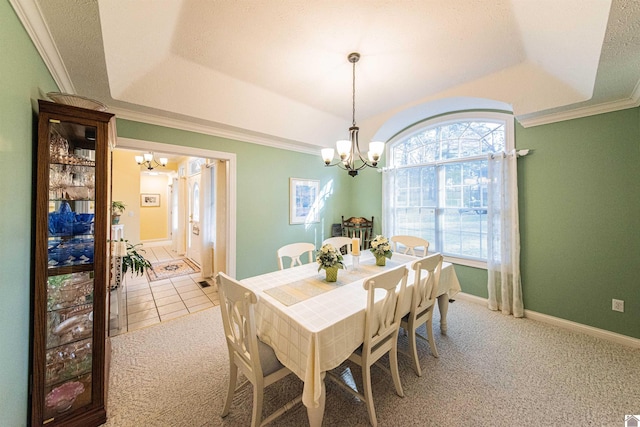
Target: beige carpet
[[175, 374], [173, 268]]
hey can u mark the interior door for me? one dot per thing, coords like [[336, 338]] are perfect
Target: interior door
[[194, 236]]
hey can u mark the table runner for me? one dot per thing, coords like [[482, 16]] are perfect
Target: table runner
[[301, 290]]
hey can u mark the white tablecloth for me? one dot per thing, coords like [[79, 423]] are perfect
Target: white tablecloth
[[318, 334]]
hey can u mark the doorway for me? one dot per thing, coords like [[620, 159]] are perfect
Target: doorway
[[226, 227], [148, 302]]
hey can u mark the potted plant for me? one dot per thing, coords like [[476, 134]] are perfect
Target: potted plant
[[330, 260], [117, 209], [134, 260], [381, 249], [131, 258]]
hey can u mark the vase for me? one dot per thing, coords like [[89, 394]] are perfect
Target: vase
[[332, 274], [381, 260]]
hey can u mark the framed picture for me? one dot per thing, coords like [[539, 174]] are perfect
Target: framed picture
[[147, 200], [303, 200]]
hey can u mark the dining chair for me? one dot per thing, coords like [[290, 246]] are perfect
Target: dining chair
[[256, 360], [409, 243], [339, 243], [425, 290], [382, 323], [359, 227], [294, 251]]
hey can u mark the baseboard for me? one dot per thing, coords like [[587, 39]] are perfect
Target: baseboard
[[566, 324]]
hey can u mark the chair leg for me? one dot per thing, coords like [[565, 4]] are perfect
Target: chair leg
[[432, 343], [233, 379], [414, 350], [256, 414], [395, 372], [366, 380]]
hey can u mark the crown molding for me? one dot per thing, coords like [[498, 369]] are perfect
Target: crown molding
[[213, 130], [577, 113], [33, 22]]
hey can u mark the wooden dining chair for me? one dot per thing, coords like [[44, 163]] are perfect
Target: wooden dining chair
[[382, 323], [256, 360], [339, 243], [409, 243], [423, 298], [359, 227], [294, 251]]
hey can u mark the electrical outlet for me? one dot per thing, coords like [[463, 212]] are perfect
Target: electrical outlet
[[617, 305]]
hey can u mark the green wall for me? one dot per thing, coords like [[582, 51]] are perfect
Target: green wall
[[579, 210], [22, 72], [580, 219]]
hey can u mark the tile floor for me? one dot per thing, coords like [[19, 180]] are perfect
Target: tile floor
[[148, 303]]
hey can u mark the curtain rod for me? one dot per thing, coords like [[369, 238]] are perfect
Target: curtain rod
[[519, 153]]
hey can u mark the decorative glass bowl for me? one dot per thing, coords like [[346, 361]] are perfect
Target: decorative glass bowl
[[61, 398]]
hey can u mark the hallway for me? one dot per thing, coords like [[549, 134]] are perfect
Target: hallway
[[148, 303]]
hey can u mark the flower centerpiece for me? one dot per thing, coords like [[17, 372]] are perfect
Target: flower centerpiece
[[329, 259], [381, 249]]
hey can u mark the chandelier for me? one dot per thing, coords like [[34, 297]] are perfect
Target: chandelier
[[351, 159], [150, 162]]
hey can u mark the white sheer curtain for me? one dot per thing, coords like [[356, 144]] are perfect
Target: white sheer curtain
[[174, 214], [503, 241], [180, 236], [207, 218], [388, 191]]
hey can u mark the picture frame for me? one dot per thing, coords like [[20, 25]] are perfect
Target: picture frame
[[149, 200], [303, 201]]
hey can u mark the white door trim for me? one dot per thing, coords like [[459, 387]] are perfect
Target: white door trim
[[142, 145]]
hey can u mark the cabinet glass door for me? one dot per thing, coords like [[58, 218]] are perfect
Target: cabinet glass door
[[70, 268]]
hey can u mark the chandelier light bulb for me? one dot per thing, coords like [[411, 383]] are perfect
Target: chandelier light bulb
[[327, 155]]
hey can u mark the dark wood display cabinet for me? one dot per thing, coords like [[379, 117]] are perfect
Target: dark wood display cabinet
[[69, 350]]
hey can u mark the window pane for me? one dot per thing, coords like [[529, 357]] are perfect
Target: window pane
[[429, 186], [418, 222], [464, 233]]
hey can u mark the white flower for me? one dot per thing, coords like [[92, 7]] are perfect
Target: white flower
[[380, 246], [328, 256]]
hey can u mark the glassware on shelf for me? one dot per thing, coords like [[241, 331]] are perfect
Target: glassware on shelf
[[58, 148], [69, 324], [62, 397], [68, 361]]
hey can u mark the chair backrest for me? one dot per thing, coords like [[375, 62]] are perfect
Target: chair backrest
[[382, 318], [360, 228], [339, 243], [410, 243], [236, 304], [293, 251], [425, 286]]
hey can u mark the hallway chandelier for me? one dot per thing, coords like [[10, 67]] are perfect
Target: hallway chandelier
[[150, 162], [351, 159]]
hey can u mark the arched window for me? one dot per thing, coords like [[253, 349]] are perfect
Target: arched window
[[435, 185]]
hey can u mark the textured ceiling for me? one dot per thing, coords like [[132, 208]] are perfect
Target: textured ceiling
[[276, 72]]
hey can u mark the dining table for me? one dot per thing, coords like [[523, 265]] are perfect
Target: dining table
[[314, 325]]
